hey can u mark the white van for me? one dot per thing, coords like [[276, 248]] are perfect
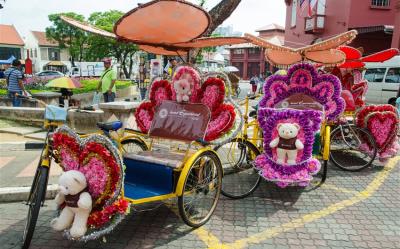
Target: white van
[[383, 81]]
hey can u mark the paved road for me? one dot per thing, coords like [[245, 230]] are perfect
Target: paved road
[[17, 168], [352, 210]]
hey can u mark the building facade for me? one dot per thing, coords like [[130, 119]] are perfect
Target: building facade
[[396, 32], [250, 59], [373, 19], [46, 54], [11, 43]]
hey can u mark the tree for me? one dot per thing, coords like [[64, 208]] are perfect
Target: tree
[[100, 47], [68, 36], [218, 14]]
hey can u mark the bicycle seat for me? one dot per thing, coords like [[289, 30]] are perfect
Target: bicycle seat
[[110, 126]]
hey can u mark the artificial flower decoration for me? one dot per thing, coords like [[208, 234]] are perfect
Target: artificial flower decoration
[[98, 159], [382, 122], [211, 93], [304, 78], [284, 174]]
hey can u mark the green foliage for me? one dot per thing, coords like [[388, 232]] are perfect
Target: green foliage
[[88, 86], [66, 35], [91, 85], [100, 47]]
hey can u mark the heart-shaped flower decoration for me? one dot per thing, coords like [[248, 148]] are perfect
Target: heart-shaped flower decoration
[[211, 93], [303, 78], [98, 159], [382, 122]]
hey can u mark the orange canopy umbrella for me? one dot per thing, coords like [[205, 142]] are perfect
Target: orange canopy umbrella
[[166, 27]]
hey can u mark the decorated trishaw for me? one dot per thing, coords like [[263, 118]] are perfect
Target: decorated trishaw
[[292, 122], [366, 132], [301, 106], [179, 125]]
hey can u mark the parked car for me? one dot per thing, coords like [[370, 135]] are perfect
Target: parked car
[[49, 73], [383, 81]]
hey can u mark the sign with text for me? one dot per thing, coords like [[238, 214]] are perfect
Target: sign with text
[[180, 121]]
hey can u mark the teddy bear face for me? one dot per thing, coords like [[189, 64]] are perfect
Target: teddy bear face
[[72, 182], [182, 86], [288, 130]]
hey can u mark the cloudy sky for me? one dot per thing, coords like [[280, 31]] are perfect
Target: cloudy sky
[[28, 15]]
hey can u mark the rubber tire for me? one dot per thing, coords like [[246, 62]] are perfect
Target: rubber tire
[[257, 183], [181, 208], [39, 187], [370, 138], [139, 143]]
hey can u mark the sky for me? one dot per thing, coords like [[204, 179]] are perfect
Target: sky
[[28, 15]]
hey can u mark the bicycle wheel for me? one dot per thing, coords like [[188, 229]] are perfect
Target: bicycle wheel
[[36, 200], [133, 145], [201, 190], [345, 150], [240, 178]]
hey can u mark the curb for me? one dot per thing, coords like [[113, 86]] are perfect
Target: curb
[[29, 145], [14, 194]]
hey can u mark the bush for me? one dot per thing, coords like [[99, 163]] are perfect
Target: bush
[[36, 85]]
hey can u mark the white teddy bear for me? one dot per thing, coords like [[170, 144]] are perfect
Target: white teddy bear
[[73, 191], [287, 143], [183, 88]]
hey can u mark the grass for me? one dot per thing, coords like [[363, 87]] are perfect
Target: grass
[[88, 86]]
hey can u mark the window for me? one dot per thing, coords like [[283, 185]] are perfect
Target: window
[[393, 75], [6, 53], [238, 51], [254, 51], [35, 52], [294, 14], [380, 3], [375, 74], [321, 6], [54, 54]]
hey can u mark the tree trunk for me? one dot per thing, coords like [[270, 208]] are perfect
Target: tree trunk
[[218, 14]]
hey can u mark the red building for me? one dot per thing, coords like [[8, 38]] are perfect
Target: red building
[[250, 59], [396, 33], [373, 19]]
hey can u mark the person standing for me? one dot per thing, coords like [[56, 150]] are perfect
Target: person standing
[[107, 81], [15, 85], [253, 83]]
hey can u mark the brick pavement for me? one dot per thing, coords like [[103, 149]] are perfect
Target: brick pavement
[[352, 210]]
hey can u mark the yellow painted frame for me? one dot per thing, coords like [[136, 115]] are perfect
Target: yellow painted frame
[[181, 181]]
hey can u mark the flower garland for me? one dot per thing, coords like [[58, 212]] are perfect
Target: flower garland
[[67, 149], [382, 122], [144, 115], [98, 219], [212, 93], [110, 166], [196, 81], [222, 121], [160, 90], [303, 78], [284, 175]]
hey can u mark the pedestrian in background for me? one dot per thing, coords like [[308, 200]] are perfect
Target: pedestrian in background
[[15, 85], [253, 82], [107, 81]]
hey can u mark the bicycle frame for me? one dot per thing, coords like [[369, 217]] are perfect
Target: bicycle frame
[[256, 138]]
